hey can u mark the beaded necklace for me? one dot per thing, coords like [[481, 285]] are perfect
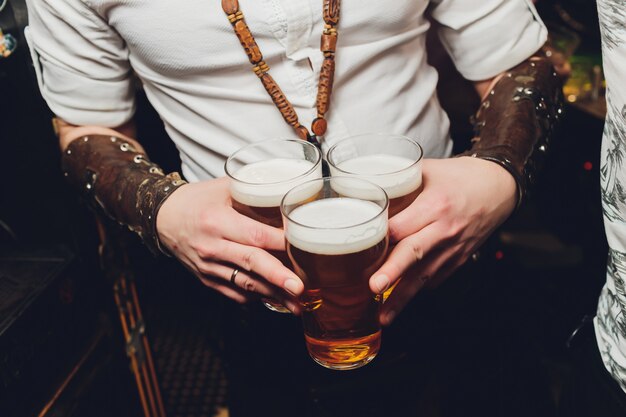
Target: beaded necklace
[[328, 45]]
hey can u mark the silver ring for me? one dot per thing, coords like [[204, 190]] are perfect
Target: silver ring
[[234, 275]]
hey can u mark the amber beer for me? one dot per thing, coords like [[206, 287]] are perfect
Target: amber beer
[[262, 173], [335, 244], [390, 161], [260, 187], [393, 162]]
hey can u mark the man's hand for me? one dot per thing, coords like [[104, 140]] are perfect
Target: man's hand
[[463, 201], [199, 226]]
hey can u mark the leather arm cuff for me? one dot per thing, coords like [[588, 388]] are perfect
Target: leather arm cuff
[[514, 123], [121, 182]]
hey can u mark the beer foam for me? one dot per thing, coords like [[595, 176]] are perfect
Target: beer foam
[[336, 226], [397, 175], [264, 183]]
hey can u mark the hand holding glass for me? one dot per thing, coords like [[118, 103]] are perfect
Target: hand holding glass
[[261, 174], [336, 232], [392, 162]]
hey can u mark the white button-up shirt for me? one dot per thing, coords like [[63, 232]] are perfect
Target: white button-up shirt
[[198, 78]]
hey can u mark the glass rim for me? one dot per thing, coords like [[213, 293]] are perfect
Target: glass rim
[[406, 138], [330, 178], [262, 142]]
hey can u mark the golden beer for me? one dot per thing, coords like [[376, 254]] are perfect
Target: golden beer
[[335, 245]]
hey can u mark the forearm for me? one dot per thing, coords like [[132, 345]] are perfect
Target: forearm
[[115, 176], [516, 119], [67, 132]]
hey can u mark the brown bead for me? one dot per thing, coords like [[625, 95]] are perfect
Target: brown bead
[[261, 68], [331, 11], [279, 99], [248, 42], [302, 132], [230, 6], [325, 87], [319, 126], [328, 43]]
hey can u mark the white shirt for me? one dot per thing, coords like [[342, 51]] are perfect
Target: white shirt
[[610, 322], [198, 78]]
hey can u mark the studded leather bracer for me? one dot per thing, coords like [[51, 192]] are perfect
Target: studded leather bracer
[[121, 182], [514, 123]]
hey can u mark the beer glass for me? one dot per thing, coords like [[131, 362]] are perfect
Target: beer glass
[[393, 162], [261, 173], [336, 234]]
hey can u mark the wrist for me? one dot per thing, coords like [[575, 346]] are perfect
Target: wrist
[[515, 121], [510, 180], [502, 184], [120, 182], [165, 223]]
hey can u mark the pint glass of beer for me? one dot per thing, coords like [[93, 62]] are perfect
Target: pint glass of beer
[[336, 233], [261, 173], [393, 162]]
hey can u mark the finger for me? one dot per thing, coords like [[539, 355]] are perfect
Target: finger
[[406, 253], [254, 284], [421, 213], [401, 295], [245, 287], [243, 280], [437, 266], [213, 275], [249, 232], [235, 294], [444, 272], [190, 263], [459, 258], [414, 280], [258, 261]]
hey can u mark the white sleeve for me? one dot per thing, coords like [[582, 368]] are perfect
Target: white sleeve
[[487, 37], [81, 63]]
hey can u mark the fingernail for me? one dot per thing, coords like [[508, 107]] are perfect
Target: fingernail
[[381, 283], [292, 287]]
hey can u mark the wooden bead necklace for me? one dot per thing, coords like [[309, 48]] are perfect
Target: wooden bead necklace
[[328, 45]]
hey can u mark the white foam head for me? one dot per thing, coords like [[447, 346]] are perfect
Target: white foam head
[[397, 175], [336, 226], [264, 183]]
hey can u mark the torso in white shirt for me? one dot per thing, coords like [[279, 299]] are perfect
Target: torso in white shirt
[[194, 67], [199, 79]]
